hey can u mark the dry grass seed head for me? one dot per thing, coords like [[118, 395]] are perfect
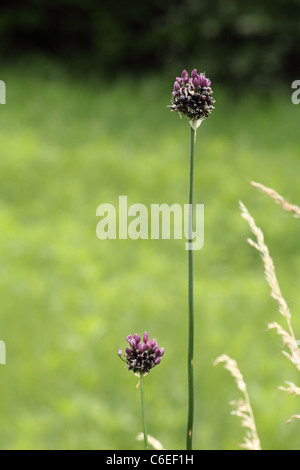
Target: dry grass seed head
[[242, 407]]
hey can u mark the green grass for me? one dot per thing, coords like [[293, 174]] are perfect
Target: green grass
[[68, 300]]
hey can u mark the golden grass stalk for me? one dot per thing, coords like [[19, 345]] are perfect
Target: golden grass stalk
[[288, 336], [243, 406], [278, 199]]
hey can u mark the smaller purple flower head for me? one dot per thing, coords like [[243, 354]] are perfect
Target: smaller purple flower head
[[141, 357]]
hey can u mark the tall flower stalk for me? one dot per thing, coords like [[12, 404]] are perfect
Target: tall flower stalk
[[141, 357], [190, 420], [192, 97]]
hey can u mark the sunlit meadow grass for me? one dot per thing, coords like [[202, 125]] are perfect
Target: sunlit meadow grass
[[68, 299]]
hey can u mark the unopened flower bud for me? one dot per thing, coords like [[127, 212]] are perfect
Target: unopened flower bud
[[176, 86], [145, 337]]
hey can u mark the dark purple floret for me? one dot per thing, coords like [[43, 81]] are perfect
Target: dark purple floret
[[192, 96], [141, 357]]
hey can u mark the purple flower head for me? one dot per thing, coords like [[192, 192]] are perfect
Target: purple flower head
[[192, 96], [141, 357]]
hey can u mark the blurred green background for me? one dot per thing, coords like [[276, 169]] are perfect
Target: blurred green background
[[86, 120]]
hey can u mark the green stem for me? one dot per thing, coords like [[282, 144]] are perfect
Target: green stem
[[143, 412], [191, 303]]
